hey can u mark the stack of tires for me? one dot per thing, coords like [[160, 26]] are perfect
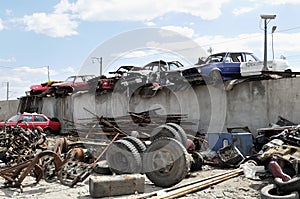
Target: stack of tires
[[165, 161]]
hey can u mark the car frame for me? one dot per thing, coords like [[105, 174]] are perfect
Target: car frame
[[107, 83], [72, 84], [33, 120], [153, 72], [41, 88]]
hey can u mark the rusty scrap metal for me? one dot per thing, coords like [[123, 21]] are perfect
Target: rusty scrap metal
[[190, 187], [15, 174], [73, 172]]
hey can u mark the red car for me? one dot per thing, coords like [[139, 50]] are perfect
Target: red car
[[33, 120], [72, 84], [107, 83], [41, 88]]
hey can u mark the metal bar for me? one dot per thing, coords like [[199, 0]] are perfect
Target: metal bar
[[198, 186], [193, 183]]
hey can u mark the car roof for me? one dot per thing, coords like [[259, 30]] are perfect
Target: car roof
[[232, 52]]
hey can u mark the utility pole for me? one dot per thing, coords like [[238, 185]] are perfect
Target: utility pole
[[99, 60], [48, 68], [7, 90], [265, 18]]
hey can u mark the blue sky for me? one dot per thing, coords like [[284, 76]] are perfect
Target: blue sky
[[63, 34]]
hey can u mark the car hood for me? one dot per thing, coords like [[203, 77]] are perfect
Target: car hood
[[34, 87]]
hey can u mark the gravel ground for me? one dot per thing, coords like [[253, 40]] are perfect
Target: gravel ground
[[238, 187]]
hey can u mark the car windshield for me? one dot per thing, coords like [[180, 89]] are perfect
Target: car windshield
[[156, 66], [215, 58], [14, 118], [70, 79]]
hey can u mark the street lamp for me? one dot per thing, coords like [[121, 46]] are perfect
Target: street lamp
[[267, 19], [99, 59], [273, 30]]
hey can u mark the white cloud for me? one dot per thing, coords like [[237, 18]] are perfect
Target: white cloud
[[242, 10], [188, 32], [53, 25], [68, 70], [132, 10], [277, 2], [150, 23], [8, 60], [8, 12], [25, 70], [1, 25]]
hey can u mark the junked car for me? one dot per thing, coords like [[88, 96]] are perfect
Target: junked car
[[72, 84], [107, 83], [153, 72], [231, 65], [41, 88]]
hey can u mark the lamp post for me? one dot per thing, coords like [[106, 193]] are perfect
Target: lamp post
[[273, 30], [267, 19], [99, 59]]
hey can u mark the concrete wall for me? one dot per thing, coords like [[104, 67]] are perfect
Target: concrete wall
[[255, 104], [8, 109]]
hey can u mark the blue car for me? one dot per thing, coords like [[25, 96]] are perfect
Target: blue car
[[233, 65]]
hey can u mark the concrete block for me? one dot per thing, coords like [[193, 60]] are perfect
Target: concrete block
[[106, 186]]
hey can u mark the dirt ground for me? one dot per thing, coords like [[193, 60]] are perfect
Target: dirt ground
[[238, 187]]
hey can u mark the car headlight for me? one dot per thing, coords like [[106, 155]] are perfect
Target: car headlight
[[199, 70]]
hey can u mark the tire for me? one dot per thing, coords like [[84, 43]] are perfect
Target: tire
[[289, 186], [122, 157], [270, 192], [165, 131], [215, 77], [102, 168], [166, 162], [181, 133], [138, 144], [47, 131], [197, 162]]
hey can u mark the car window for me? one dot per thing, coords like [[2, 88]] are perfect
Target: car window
[[38, 118], [155, 68], [215, 58], [27, 118], [14, 118], [79, 79], [250, 58], [87, 78], [173, 66], [70, 79], [236, 57]]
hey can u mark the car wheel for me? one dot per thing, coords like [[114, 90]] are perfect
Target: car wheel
[[165, 131], [139, 145], [47, 131], [166, 162], [270, 192], [122, 157], [181, 133], [215, 77]]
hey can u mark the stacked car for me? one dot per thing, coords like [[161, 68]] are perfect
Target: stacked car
[[216, 68]]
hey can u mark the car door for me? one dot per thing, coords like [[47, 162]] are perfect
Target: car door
[[231, 64], [27, 121], [80, 84], [39, 120], [251, 66]]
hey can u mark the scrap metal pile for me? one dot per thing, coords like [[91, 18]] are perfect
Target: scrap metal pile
[[25, 151]]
